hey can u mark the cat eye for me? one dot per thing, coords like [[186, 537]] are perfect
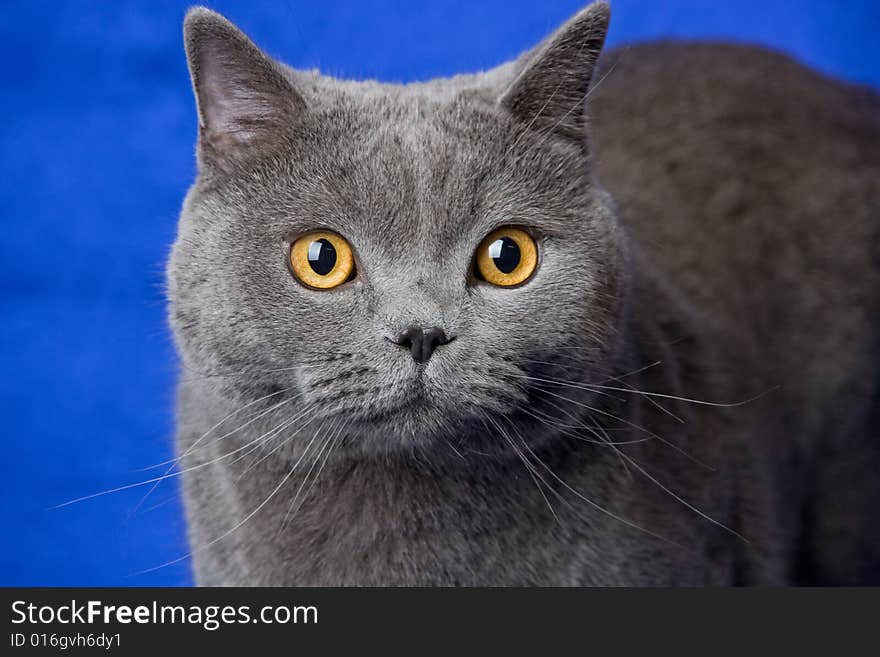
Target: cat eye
[[322, 260], [507, 257]]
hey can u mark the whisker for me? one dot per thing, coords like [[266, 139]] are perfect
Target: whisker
[[658, 406], [689, 400], [275, 449], [620, 377], [593, 504], [452, 447], [600, 441], [595, 387], [598, 392], [578, 367], [169, 475], [530, 469], [239, 524], [253, 419], [630, 424], [173, 462], [685, 502], [247, 372], [604, 438], [614, 445], [330, 436]]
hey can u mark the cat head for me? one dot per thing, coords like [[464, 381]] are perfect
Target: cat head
[[401, 262]]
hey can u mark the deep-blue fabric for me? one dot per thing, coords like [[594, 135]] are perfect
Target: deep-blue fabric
[[96, 153]]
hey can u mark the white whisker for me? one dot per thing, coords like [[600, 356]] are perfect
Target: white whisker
[[685, 502], [332, 434], [239, 524], [593, 409], [172, 475], [581, 496], [530, 469]]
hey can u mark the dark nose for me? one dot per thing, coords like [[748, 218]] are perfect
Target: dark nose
[[422, 342]]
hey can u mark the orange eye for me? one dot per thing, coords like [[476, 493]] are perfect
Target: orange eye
[[322, 260], [507, 257]]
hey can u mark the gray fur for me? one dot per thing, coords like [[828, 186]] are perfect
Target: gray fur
[[740, 253]]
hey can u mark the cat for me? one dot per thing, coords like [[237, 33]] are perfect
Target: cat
[[570, 321]]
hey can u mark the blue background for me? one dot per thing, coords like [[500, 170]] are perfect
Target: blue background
[[97, 136]]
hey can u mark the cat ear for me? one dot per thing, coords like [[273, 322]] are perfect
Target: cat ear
[[243, 97], [551, 88]]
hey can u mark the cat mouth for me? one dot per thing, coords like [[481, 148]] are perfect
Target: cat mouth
[[412, 411], [415, 403]]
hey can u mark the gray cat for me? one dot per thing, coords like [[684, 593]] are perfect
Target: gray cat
[[423, 346]]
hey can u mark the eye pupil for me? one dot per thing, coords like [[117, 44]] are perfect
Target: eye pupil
[[322, 256], [506, 257], [505, 254]]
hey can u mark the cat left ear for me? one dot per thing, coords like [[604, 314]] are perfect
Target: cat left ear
[[551, 89], [243, 97]]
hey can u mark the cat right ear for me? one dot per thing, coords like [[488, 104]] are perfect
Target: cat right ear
[[244, 100], [554, 79]]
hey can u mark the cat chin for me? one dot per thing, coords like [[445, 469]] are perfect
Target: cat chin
[[455, 434], [399, 430]]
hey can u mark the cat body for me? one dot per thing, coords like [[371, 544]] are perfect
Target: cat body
[[684, 392]]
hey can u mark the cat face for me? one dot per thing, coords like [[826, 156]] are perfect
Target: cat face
[[402, 262]]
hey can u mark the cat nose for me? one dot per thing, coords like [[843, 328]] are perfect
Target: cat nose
[[422, 342]]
